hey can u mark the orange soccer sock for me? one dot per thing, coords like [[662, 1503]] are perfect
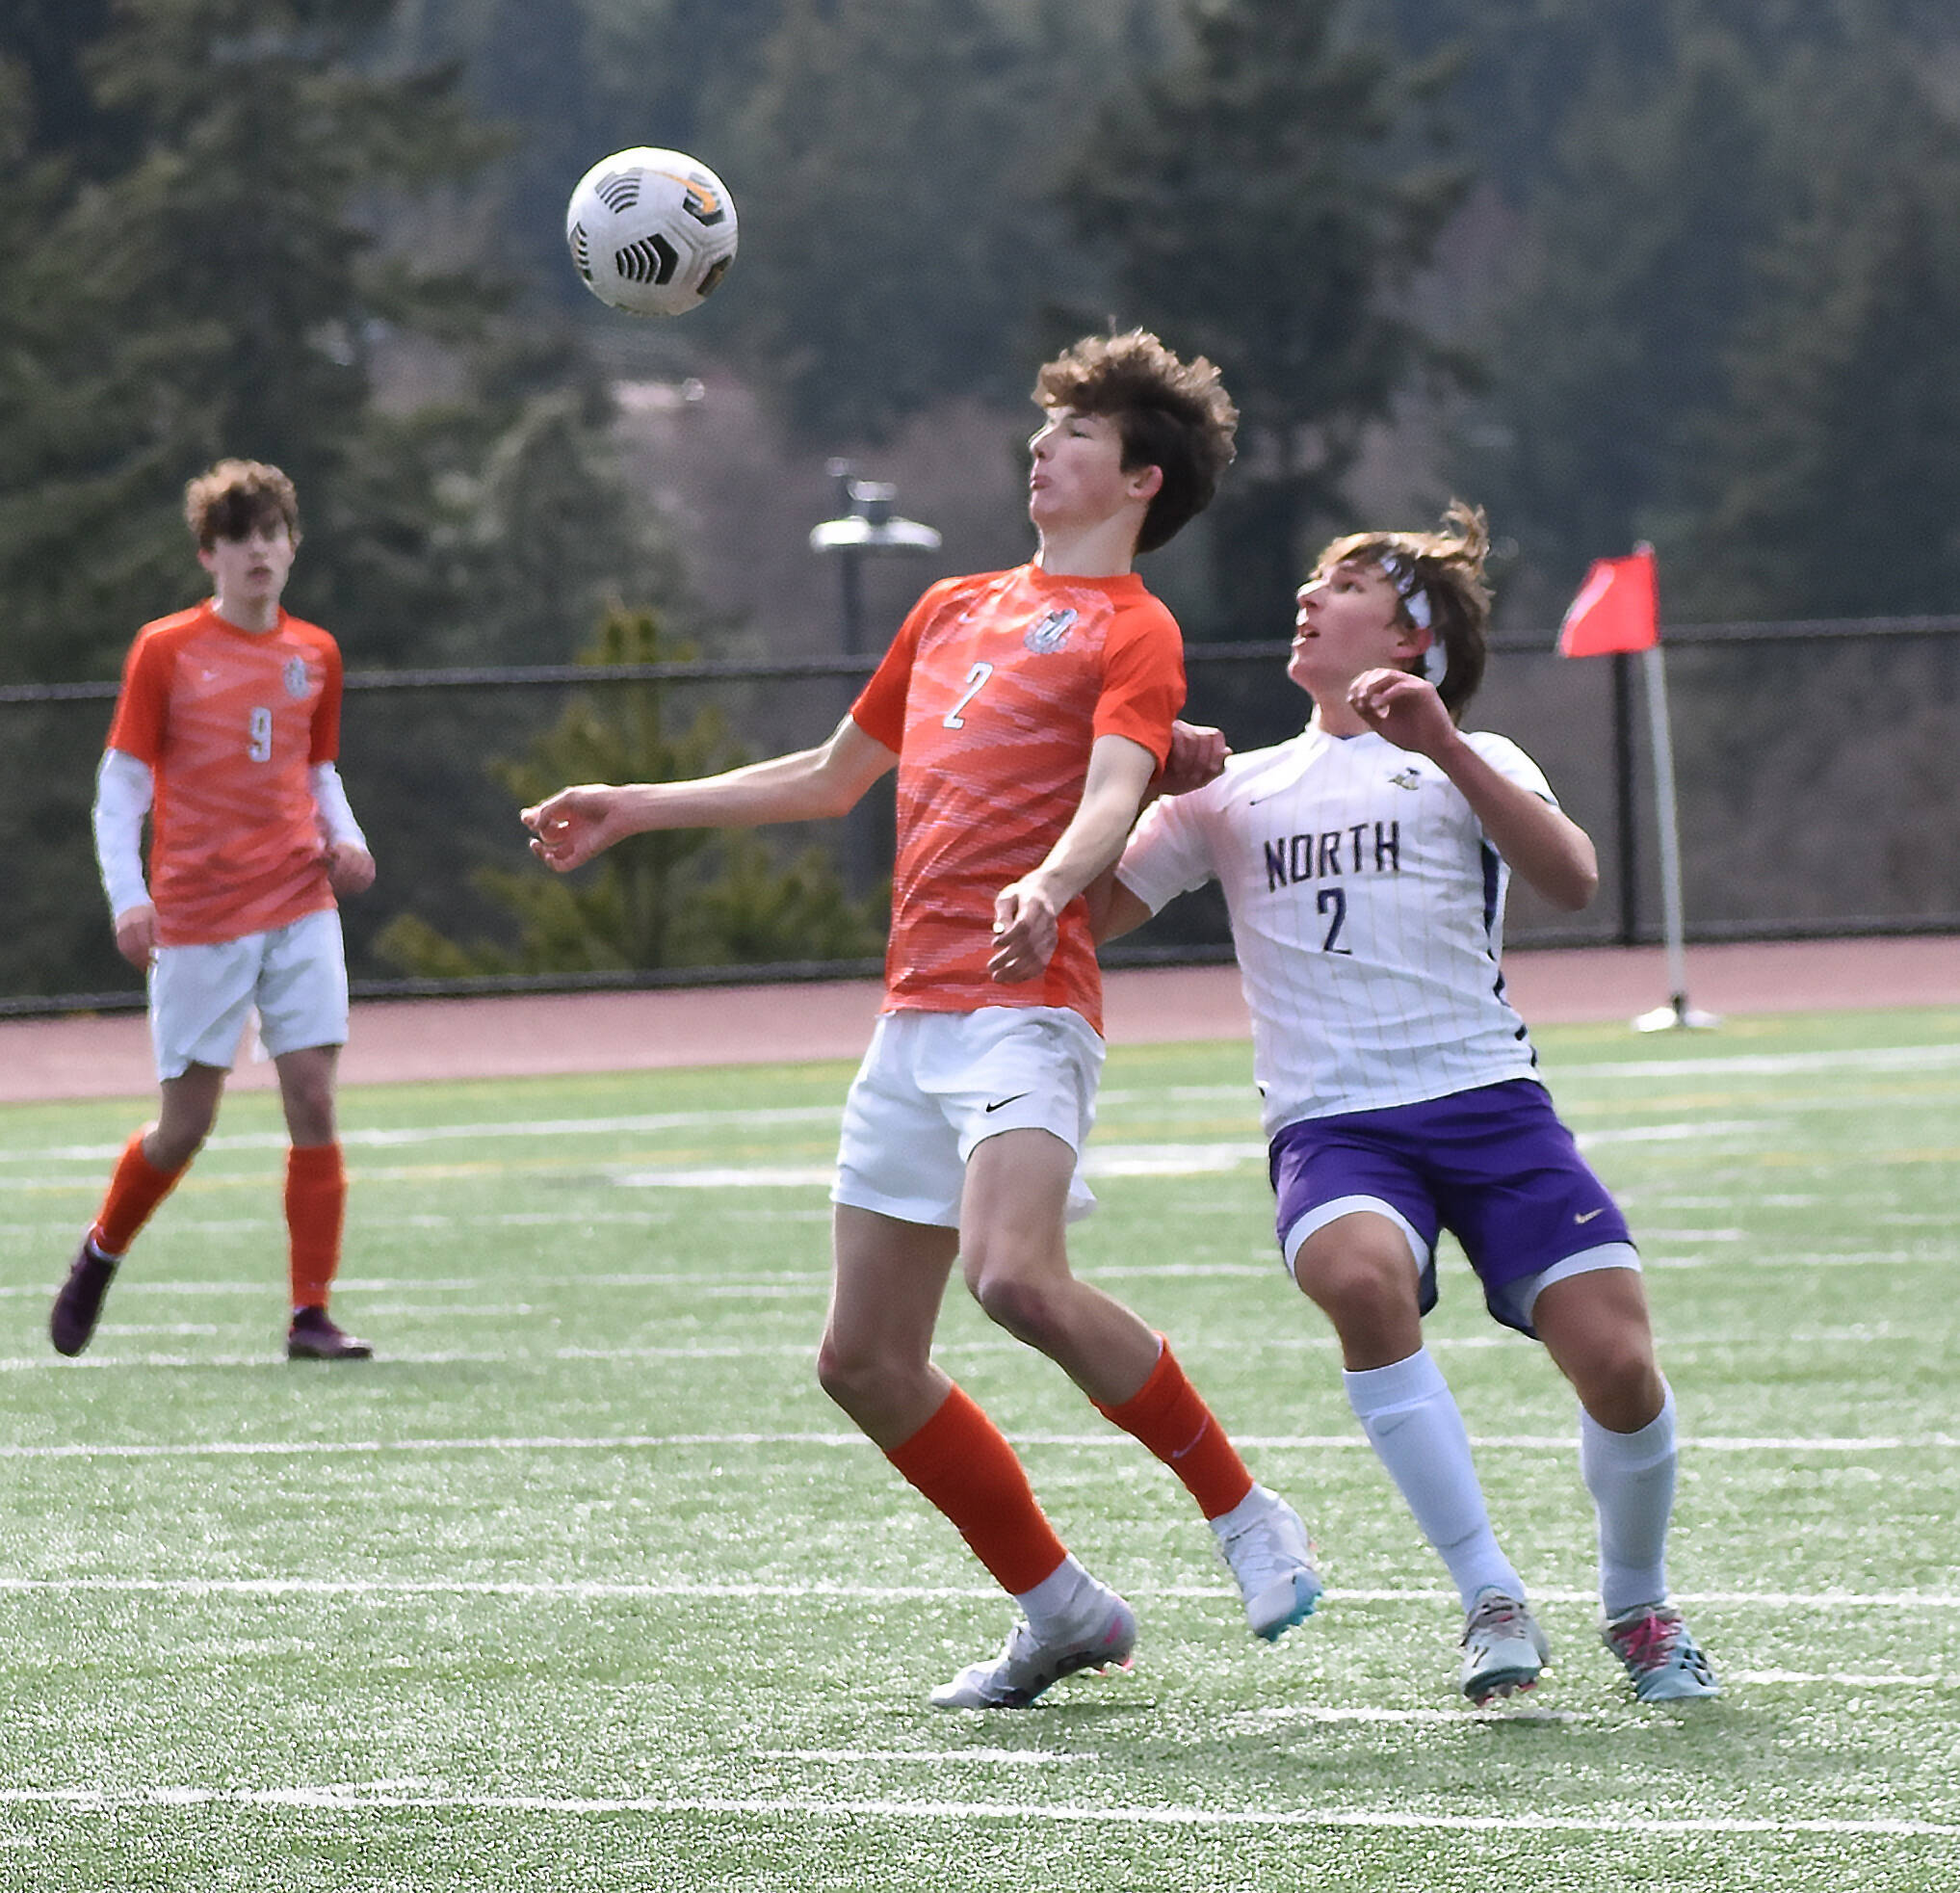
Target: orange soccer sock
[[136, 1188], [1168, 1416], [316, 1206], [961, 1461]]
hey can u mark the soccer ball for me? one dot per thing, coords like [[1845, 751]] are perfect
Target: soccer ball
[[651, 233]]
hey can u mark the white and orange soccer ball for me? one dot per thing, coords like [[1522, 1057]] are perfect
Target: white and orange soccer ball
[[651, 232]]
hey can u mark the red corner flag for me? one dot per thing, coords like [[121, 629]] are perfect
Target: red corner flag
[[1618, 608]]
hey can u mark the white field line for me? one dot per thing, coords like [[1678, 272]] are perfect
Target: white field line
[[1111, 1439], [1187, 1157], [929, 1758], [355, 1137], [1774, 1065], [778, 1808], [1880, 1058], [1815, 1679], [707, 1591], [801, 1349], [1745, 1064]]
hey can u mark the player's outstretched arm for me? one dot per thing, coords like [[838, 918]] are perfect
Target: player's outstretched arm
[[1553, 854], [570, 827]]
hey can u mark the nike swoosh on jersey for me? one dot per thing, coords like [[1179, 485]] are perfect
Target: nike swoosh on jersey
[[998, 1102], [1587, 1215]]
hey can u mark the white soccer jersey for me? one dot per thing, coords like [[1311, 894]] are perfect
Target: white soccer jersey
[[1367, 913]]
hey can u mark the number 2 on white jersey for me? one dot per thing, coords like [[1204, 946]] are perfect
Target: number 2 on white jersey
[[1333, 900], [976, 682]]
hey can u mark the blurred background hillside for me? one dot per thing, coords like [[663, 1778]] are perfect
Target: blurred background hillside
[[1682, 270]]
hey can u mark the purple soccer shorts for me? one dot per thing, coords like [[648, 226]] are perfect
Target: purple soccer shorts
[[1494, 1166]]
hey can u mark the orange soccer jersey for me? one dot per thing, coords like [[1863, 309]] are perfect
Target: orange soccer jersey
[[231, 722], [992, 694]]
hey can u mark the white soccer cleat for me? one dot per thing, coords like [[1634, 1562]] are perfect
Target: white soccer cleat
[[1662, 1658], [1503, 1647], [1272, 1558], [1026, 1667]]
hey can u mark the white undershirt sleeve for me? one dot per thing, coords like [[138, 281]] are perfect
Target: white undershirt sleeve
[[124, 789], [336, 815]]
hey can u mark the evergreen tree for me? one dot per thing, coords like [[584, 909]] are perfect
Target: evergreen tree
[[49, 41], [1615, 336], [893, 233], [1830, 483], [1267, 203], [231, 303], [679, 75], [220, 282], [684, 897]]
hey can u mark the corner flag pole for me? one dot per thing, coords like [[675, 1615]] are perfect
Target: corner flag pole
[[1677, 1012], [1618, 609]]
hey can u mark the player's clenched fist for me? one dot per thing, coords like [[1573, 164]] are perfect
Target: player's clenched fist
[[568, 828]]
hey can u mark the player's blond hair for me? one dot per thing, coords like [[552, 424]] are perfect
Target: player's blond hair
[[1171, 414], [235, 497], [1446, 567]]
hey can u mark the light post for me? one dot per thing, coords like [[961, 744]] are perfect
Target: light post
[[867, 526]]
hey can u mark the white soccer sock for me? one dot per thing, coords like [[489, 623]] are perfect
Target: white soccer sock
[[1412, 1421], [1056, 1606], [1630, 1477]]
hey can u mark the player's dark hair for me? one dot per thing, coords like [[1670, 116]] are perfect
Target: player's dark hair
[[234, 498], [1447, 568], [1170, 414]]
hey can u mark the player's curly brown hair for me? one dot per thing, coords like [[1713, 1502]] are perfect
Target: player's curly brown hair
[[235, 497], [1171, 414], [1447, 570]]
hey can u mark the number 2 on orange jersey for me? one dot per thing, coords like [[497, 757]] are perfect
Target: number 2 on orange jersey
[[976, 682]]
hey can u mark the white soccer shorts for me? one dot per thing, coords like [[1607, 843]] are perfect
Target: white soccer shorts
[[934, 1085], [200, 996]]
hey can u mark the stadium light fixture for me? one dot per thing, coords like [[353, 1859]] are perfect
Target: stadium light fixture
[[869, 526]]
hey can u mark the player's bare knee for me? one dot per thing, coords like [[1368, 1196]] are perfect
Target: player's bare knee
[[849, 1377], [1025, 1308], [1355, 1285], [1619, 1383], [171, 1142]]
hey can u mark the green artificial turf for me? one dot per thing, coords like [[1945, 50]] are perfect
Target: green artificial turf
[[582, 1585]]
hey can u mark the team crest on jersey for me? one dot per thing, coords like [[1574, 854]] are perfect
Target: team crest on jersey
[[1407, 778], [296, 677], [1050, 631]]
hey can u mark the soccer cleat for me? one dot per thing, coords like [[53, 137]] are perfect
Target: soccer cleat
[[79, 1303], [1503, 1647], [1661, 1656], [1272, 1558], [1026, 1667], [313, 1336]]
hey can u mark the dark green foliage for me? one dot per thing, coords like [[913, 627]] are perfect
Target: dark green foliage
[[680, 898], [893, 231], [1615, 337], [1730, 320], [235, 228], [1832, 486], [1267, 203], [220, 292]]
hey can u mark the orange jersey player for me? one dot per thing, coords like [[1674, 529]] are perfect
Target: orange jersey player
[[993, 697], [225, 736], [1026, 713]]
